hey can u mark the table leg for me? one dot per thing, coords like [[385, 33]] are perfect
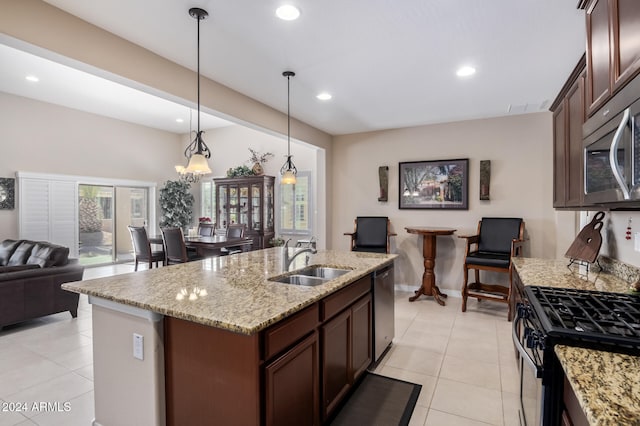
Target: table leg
[[429, 287]]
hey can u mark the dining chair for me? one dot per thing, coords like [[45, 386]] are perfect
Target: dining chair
[[233, 232], [142, 248], [496, 242], [175, 248], [371, 233], [206, 229]]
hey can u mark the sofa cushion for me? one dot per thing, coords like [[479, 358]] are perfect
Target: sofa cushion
[[41, 255], [17, 268], [7, 247], [58, 255], [21, 253]]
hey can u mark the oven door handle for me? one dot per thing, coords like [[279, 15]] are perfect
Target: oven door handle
[[613, 156], [523, 352]]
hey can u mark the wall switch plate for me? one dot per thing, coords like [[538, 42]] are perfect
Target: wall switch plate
[[138, 346], [636, 241]]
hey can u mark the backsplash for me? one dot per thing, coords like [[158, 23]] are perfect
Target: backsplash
[[624, 271]]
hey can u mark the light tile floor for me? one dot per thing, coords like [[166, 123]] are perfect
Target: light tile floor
[[464, 362]]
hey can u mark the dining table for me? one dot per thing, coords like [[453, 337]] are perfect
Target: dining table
[[428, 286], [210, 245]]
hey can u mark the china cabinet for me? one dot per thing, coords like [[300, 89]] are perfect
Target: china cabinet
[[248, 201]]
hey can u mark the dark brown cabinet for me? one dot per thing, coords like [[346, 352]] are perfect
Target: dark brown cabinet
[[613, 51], [568, 118], [291, 386], [248, 201], [279, 376], [346, 342]]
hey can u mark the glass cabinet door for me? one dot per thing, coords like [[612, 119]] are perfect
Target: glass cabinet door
[[233, 204], [268, 206], [222, 206], [256, 202], [243, 206]]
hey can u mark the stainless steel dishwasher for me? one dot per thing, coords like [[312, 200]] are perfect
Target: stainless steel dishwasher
[[383, 311]]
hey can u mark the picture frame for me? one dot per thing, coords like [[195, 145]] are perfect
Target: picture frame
[[7, 193], [439, 184]]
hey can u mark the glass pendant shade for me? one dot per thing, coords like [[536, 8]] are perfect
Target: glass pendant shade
[[198, 165], [288, 178]]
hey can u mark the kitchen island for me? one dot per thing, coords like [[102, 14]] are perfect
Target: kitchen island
[[600, 387], [227, 343]]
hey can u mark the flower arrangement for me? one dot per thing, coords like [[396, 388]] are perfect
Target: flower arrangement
[[204, 219], [256, 157]]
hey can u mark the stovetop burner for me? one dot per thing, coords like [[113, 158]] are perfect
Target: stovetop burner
[[594, 317]]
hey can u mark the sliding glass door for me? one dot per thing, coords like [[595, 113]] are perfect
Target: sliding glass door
[[104, 212]]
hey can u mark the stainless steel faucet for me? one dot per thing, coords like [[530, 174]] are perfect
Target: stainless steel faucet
[[289, 260]]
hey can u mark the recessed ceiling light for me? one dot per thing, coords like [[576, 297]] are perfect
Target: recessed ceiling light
[[288, 12], [32, 78], [465, 71], [324, 96], [179, 120]]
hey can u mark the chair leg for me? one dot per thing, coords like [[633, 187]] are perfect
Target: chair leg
[[464, 289], [136, 267], [150, 264]]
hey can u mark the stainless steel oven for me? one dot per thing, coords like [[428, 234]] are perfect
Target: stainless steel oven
[[537, 393], [550, 316], [611, 150]]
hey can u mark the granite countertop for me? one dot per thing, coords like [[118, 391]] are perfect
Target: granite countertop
[[607, 384], [555, 273], [230, 292]]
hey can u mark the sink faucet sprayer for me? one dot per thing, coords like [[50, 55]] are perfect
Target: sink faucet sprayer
[[289, 260]]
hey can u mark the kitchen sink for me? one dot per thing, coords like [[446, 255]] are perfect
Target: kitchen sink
[[323, 272], [300, 280], [311, 276]]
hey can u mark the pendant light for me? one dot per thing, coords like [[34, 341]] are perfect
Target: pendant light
[[288, 170], [197, 152]]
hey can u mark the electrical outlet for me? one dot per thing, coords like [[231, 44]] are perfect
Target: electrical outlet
[[138, 346]]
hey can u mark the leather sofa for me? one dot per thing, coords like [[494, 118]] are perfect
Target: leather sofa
[[31, 273]]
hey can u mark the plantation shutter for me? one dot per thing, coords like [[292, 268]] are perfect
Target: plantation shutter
[[47, 211]]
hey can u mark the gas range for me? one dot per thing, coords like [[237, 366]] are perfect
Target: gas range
[[593, 319], [560, 316]]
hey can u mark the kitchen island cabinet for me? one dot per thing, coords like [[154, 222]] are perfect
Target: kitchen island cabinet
[[238, 347], [346, 341]]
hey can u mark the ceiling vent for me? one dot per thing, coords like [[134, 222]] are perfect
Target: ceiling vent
[[526, 108]]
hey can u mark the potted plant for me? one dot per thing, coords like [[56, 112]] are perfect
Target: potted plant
[[258, 160], [176, 204]]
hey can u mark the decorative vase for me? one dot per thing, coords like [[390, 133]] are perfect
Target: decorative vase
[[257, 169]]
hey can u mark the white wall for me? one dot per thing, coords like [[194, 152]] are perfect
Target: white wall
[[45, 138], [520, 150]]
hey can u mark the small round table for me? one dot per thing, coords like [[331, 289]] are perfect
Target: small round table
[[429, 234]]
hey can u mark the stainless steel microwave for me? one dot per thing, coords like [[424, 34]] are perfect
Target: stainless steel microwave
[[612, 158]]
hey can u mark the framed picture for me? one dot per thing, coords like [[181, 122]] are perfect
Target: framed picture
[[441, 184], [7, 193]]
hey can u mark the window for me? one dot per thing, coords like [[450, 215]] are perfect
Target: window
[[295, 213], [208, 197]]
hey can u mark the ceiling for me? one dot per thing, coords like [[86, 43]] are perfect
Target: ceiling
[[387, 63]]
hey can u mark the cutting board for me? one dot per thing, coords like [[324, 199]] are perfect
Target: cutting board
[[587, 244]]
